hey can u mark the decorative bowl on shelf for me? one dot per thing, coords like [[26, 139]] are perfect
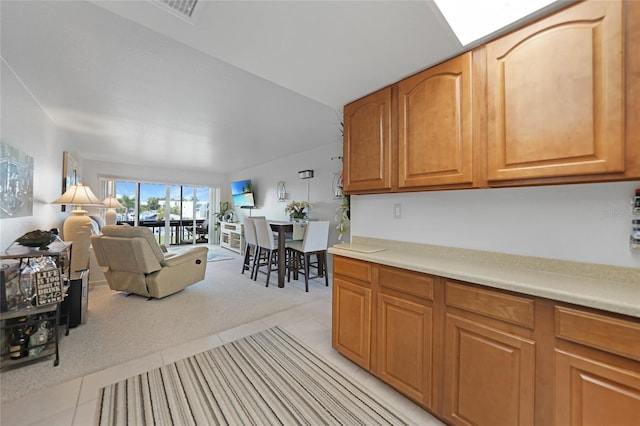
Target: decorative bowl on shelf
[[37, 238]]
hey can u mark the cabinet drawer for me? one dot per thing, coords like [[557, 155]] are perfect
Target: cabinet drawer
[[505, 307], [352, 268], [413, 283], [598, 331]]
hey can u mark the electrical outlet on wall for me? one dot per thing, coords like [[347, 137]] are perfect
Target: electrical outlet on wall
[[397, 211]]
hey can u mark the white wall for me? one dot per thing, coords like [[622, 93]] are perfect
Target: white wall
[[584, 223], [26, 127], [265, 178]]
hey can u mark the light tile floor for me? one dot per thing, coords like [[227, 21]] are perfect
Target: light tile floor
[[74, 402]]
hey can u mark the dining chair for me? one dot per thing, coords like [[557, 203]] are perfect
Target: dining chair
[[314, 242], [251, 245], [267, 254]]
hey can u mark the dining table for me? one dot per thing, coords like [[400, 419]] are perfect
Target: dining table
[[281, 228]]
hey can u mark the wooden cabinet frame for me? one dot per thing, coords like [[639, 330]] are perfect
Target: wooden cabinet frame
[[473, 350], [471, 354], [369, 145], [533, 122], [544, 121], [435, 131]]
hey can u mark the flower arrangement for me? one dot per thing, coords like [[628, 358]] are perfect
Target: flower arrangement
[[295, 209]]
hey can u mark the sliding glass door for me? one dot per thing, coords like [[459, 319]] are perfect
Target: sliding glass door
[[176, 214], [191, 204], [127, 194]]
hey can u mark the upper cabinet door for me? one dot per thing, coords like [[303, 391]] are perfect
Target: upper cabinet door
[[367, 143], [556, 96], [434, 126]]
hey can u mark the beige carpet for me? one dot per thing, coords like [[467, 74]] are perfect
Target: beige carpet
[[120, 328], [265, 379]]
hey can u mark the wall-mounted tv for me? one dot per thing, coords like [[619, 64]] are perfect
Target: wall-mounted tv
[[242, 194]]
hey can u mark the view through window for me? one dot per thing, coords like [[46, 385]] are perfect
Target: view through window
[[176, 214]]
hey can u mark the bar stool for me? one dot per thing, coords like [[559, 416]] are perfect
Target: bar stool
[[251, 246], [315, 241], [267, 254]]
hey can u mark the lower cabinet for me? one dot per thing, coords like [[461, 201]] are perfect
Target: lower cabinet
[[490, 357], [352, 310], [352, 321], [489, 375], [232, 236], [597, 381], [404, 353], [591, 392], [474, 355]]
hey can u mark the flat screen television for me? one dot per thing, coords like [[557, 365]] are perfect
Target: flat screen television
[[242, 194]]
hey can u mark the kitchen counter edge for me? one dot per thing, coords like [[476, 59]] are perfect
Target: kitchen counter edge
[[521, 274]]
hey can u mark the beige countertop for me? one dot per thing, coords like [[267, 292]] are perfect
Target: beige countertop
[[614, 289]]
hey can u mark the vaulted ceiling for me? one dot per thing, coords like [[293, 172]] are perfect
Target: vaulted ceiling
[[241, 83]]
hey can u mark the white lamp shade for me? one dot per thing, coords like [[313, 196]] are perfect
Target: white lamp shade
[[79, 195], [112, 203]]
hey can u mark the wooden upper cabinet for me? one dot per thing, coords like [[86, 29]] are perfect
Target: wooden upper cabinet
[[367, 143], [434, 126], [556, 96]]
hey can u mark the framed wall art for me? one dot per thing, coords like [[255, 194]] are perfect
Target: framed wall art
[[16, 182], [71, 172]]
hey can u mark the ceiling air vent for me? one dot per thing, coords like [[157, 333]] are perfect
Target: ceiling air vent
[[183, 8]]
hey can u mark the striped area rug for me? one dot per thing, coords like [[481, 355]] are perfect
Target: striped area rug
[[264, 379]]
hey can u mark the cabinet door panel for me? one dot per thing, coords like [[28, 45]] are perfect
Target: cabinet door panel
[[589, 392], [405, 337], [434, 125], [556, 96], [489, 375], [351, 331], [367, 143]]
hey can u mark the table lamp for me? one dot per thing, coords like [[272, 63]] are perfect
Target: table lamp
[[78, 227], [111, 203]]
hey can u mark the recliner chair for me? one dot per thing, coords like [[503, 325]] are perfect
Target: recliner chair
[[134, 262]]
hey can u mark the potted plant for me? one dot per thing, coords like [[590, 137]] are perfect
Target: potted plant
[[343, 214], [296, 210], [219, 217]]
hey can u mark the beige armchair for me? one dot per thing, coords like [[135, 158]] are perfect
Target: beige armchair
[[134, 262]]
